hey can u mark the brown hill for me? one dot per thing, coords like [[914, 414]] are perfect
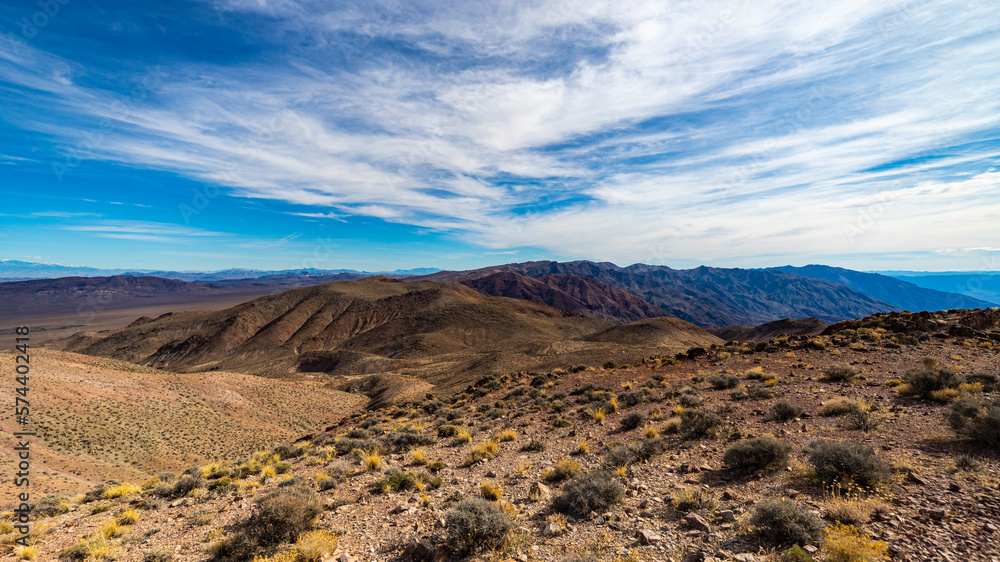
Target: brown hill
[[656, 332], [771, 330], [571, 293], [351, 327]]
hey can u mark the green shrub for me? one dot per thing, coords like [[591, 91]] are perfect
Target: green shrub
[[839, 373], [447, 430], [988, 381], [280, 517], [632, 420], [691, 400], [760, 453], [785, 522], [920, 383], [759, 393], [979, 420], [723, 381], [289, 451], [476, 523], [49, 506], [395, 480], [181, 488], [633, 453], [783, 412], [698, 423], [594, 491], [846, 462], [432, 406]]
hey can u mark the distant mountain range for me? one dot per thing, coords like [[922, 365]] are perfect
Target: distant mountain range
[[983, 285], [705, 296], [15, 270], [908, 295]]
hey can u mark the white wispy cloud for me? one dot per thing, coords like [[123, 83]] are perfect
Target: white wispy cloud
[[650, 130]]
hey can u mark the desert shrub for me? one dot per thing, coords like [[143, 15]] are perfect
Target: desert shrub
[[432, 406], [760, 393], [534, 446], [634, 398], [281, 516], [314, 546], [922, 383], [594, 491], [839, 406], [979, 420], [722, 381], [564, 469], [490, 491], [635, 452], [609, 364], [988, 381], [348, 445], [632, 420], [691, 400], [560, 422], [449, 414], [540, 380], [447, 430], [739, 394], [477, 523], [49, 506], [784, 522], [845, 543], [783, 412], [698, 423], [403, 440], [288, 451], [395, 480], [760, 453], [182, 487], [686, 500], [863, 419], [838, 373], [847, 462]]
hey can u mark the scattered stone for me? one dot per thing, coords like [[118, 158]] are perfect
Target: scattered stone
[[649, 536], [696, 556], [551, 530], [698, 522], [419, 550], [345, 557], [539, 491], [915, 478], [727, 515], [810, 549]]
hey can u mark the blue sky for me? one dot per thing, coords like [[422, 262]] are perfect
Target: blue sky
[[379, 135]]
